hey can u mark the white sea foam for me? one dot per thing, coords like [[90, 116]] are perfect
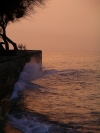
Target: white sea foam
[[29, 125], [31, 71]]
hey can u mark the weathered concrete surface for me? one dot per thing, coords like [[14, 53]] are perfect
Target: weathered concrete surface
[[10, 68]]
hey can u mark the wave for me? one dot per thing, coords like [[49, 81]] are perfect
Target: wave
[[29, 124], [31, 71]]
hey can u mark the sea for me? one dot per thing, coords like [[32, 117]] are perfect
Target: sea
[[61, 95]]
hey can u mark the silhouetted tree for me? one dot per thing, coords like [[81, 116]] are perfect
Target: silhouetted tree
[[12, 10]]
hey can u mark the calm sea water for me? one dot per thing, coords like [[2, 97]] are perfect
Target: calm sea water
[[62, 96]]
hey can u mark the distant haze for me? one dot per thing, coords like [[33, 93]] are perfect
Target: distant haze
[[62, 25]]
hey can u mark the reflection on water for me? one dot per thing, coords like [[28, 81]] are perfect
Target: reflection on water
[[71, 94]]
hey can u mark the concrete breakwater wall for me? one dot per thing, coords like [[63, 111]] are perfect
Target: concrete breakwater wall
[[10, 68]]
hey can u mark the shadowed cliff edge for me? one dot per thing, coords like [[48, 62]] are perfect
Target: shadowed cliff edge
[[10, 68]]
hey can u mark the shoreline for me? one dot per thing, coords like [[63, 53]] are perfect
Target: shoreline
[[6, 127]]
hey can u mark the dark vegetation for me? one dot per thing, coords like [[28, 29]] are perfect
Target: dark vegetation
[[21, 47], [11, 11]]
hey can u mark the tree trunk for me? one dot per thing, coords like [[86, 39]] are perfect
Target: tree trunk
[[4, 38], [1, 47], [14, 44]]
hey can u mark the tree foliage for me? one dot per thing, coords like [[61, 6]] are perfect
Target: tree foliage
[[12, 10]]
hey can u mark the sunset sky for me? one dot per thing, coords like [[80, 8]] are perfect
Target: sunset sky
[[60, 26]]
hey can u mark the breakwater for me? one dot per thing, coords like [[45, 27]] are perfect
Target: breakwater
[[10, 67]]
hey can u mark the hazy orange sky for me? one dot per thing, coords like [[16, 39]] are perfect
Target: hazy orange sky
[[62, 25]]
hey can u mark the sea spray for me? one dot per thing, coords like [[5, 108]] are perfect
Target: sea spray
[[29, 124], [31, 71]]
